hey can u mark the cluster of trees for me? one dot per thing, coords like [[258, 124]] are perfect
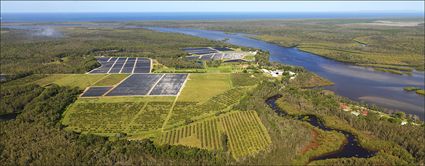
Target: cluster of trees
[[14, 98], [37, 137]]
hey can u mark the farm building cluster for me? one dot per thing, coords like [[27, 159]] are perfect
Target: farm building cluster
[[363, 111], [277, 73], [219, 53]]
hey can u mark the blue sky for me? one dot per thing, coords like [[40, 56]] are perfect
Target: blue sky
[[211, 6]]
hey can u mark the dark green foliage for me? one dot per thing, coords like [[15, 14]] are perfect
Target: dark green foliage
[[224, 142], [74, 51], [14, 98], [181, 64], [262, 58], [213, 63], [14, 76]]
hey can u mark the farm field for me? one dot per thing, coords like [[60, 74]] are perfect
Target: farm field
[[147, 116], [245, 133], [201, 87], [113, 115], [184, 112]]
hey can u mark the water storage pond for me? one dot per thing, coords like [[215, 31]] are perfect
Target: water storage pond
[[351, 148], [354, 82]]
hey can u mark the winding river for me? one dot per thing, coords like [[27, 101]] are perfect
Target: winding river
[[351, 148], [357, 83]]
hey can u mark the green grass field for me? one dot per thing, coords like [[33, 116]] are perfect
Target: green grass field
[[245, 132], [201, 87], [111, 79]]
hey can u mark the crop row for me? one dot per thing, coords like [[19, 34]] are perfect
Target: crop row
[[152, 117], [246, 134], [184, 111]]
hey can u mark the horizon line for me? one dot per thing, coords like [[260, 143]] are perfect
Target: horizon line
[[363, 11]]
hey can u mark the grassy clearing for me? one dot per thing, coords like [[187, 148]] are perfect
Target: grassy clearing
[[111, 80], [201, 87], [240, 132], [81, 81]]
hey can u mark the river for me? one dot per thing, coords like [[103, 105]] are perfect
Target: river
[[354, 82], [350, 148]]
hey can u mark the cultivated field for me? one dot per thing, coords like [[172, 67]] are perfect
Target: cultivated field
[[201, 116], [244, 131], [184, 112], [201, 87]]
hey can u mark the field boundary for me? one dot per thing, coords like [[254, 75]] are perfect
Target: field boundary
[[113, 87], [137, 115], [169, 114], [153, 86], [184, 84], [99, 80], [113, 65], [123, 65]]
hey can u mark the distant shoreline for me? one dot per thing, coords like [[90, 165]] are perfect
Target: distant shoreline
[[196, 16]]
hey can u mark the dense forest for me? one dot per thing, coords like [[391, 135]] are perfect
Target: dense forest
[[73, 51]]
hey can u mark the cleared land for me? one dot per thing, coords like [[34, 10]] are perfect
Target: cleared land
[[201, 87], [244, 130], [136, 84], [149, 84], [170, 84], [112, 115]]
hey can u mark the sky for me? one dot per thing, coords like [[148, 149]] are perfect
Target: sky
[[210, 6]]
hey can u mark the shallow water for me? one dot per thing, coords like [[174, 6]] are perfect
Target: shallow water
[[357, 83]]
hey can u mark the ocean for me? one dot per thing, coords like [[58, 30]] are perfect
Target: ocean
[[108, 17]]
